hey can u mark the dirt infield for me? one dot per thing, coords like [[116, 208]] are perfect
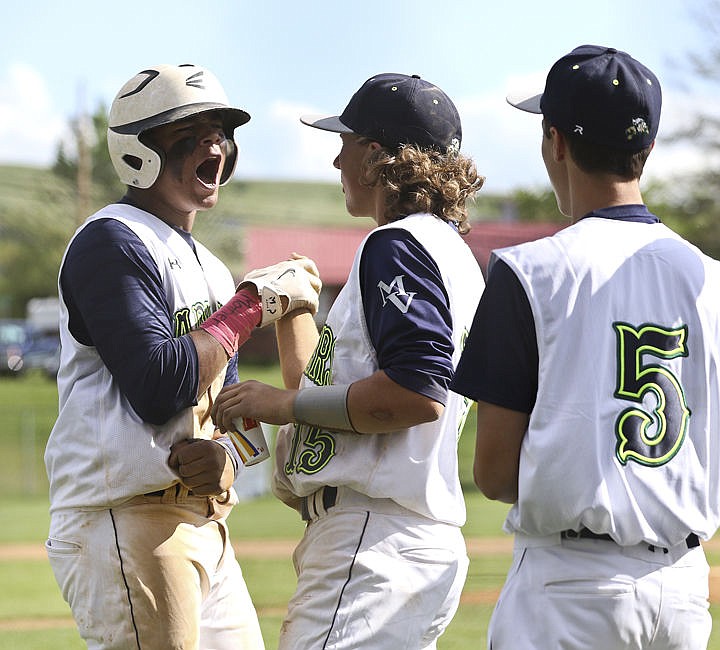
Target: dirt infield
[[278, 548], [283, 549]]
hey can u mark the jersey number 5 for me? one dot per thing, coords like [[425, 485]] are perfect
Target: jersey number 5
[[649, 438]]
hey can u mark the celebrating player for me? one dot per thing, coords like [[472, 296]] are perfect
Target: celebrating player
[[371, 459], [594, 359], [150, 326]]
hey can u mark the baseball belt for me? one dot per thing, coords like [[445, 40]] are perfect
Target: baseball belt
[[691, 540], [309, 506]]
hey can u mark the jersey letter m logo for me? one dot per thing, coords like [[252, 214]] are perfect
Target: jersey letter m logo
[[395, 293]]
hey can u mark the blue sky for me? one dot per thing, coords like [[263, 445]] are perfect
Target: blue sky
[[280, 59]]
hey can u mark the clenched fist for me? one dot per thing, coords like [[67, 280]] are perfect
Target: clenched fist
[[203, 466]]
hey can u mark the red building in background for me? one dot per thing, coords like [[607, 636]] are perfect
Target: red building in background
[[333, 250]]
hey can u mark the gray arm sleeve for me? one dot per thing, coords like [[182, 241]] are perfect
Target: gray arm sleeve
[[323, 406]]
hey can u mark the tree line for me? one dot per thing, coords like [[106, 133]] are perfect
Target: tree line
[[40, 209]]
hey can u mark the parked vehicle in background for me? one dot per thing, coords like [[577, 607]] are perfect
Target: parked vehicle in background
[[15, 337], [23, 348], [43, 353]]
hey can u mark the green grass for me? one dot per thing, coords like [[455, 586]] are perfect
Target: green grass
[[34, 616], [28, 408], [264, 518], [41, 639], [33, 595], [37, 601]]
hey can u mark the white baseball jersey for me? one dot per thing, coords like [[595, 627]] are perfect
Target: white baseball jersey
[[415, 467], [100, 453], [632, 447]]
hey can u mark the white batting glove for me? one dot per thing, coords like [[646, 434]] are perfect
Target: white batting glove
[[284, 287]]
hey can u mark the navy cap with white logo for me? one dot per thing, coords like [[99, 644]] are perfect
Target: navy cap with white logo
[[395, 109], [599, 94]]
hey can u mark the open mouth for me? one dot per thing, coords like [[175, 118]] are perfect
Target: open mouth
[[208, 171]]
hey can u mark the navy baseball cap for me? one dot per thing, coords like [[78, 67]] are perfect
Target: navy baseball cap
[[395, 109], [600, 94]]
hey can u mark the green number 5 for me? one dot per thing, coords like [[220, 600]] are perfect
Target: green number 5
[[653, 438]]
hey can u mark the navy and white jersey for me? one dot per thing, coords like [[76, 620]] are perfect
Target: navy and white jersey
[[405, 309], [130, 287], [500, 361], [623, 433]]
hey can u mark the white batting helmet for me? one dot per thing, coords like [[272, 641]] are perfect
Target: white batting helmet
[[161, 95]]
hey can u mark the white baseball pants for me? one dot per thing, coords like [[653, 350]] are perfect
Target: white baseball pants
[[149, 575], [373, 575], [587, 594]]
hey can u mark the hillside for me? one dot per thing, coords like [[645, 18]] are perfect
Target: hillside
[[29, 189], [252, 203], [31, 197]]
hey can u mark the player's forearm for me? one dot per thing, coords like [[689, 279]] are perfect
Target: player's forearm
[[377, 404], [499, 436], [297, 337], [212, 358], [372, 405], [218, 338]]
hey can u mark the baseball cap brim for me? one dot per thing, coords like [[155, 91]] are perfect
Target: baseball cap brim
[[526, 101], [326, 123]]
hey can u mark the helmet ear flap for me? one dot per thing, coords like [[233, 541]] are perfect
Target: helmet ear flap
[[136, 164]]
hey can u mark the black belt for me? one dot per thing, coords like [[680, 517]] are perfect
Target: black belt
[[177, 486], [329, 497], [691, 540]]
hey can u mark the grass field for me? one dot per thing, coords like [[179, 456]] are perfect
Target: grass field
[[33, 615]]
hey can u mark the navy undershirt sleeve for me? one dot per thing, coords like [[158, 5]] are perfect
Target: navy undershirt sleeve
[[407, 312], [499, 364], [116, 303]]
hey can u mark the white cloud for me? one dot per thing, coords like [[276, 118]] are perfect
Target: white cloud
[[30, 126], [279, 146], [505, 142], [310, 152], [497, 136]]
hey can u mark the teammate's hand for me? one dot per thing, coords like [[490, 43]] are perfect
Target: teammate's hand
[[203, 466], [285, 287], [252, 399]]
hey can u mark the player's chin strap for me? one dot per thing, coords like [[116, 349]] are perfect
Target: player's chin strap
[[323, 406]]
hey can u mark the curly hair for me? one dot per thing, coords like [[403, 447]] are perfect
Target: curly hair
[[424, 180]]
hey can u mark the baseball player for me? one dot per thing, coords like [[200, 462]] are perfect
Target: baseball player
[[140, 481], [370, 456], [594, 359]]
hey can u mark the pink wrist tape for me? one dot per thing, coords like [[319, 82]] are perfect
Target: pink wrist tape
[[232, 324]]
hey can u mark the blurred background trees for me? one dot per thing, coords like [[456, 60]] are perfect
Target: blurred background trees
[[41, 208], [690, 203]]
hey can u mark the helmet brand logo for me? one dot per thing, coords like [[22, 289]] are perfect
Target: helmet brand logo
[[151, 74], [195, 80]]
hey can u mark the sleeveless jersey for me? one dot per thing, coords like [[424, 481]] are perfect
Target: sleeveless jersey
[[100, 453], [416, 467], [624, 437]]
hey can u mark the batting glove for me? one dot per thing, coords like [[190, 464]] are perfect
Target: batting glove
[[284, 287]]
